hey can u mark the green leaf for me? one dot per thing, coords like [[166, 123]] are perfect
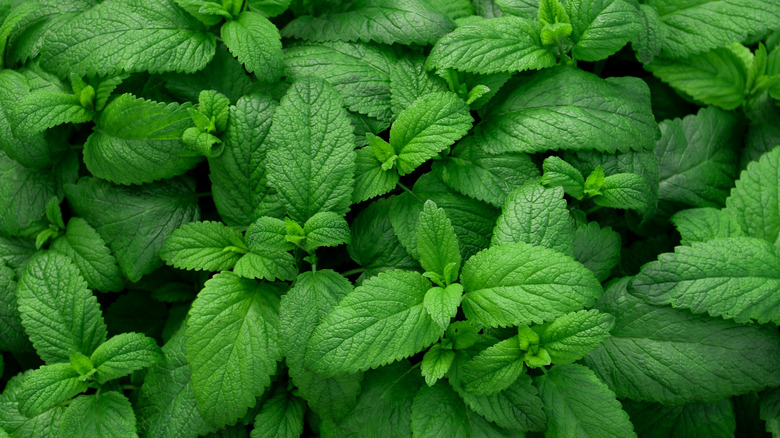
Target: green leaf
[[202, 246], [59, 313], [89, 252], [371, 179], [206, 11], [269, 8], [706, 24], [14, 338], [232, 345], [697, 157], [712, 358], [384, 21], [437, 243], [123, 354], [649, 43], [47, 386], [105, 415], [755, 201], [149, 214], [30, 150], [521, 8], [238, 175], [505, 44], [381, 321], [558, 173], [19, 425], [495, 368], [435, 363], [572, 336], [138, 141], [255, 41], [213, 105], [360, 72], [736, 278], [597, 248], [654, 420], [409, 80], [281, 416], [703, 224], [267, 235], [311, 130], [536, 215], [486, 177], [326, 229], [770, 410], [120, 35], [718, 77], [24, 192], [442, 303], [269, 265], [428, 126], [517, 283], [567, 108], [580, 405], [44, 109], [622, 190], [601, 27], [516, 408]]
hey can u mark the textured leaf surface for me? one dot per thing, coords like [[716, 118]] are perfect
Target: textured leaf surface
[[108, 415], [597, 248], [255, 41], [120, 35], [47, 386], [565, 108], [703, 224], [409, 80], [123, 354], [59, 313], [572, 336], [654, 420], [266, 265], [45, 109], [89, 252], [14, 338], [516, 408], [601, 27], [326, 229], [24, 192], [20, 425], [495, 368], [201, 246], [712, 358], [622, 190], [755, 201], [232, 345], [518, 283], [436, 240], [281, 416]]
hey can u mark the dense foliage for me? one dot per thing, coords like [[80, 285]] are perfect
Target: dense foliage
[[389, 218]]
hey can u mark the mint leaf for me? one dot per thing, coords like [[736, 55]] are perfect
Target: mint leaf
[[255, 41], [703, 224], [601, 27], [44, 109], [572, 336], [232, 345], [597, 248], [108, 415], [579, 404], [622, 190], [119, 35], [494, 369], [268, 265], [649, 43], [123, 354], [536, 215], [11, 419], [428, 126], [379, 322], [755, 200], [655, 420], [712, 358], [47, 386], [437, 243], [409, 80], [558, 173], [566, 108], [280, 416], [371, 179], [29, 149], [518, 283], [505, 44], [486, 177], [267, 235], [435, 363], [310, 129], [383, 21], [14, 338], [735, 278], [202, 246], [89, 252], [326, 229], [442, 303], [136, 232], [138, 141], [59, 313], [517, 408], [24, 191]]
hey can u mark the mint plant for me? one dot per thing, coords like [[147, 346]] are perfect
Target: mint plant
[[389, 218]]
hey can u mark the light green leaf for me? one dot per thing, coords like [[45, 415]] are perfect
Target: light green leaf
[[718, 77], [47, 386], [89, 252], [255, 41], [232, 345], [428, 126], [123, 354], [755, 201], [312, 158], [580, 405], [149, 214], [694, 27], [381, 321], [517, 408], [206, 11], [105, 415], [558, 173], [437, 243], [19, 425], [572, 336], [409, 80], [567, 108], [59, 313], [601, 27], [29, 150], [521, 8], [622, 190], [536, 215], [281, 416], [384, 21], [269, 8], [712, 358], [736, 278], [370, 179], [654, 420], [435, 363], [649, 43], [704, 224], [597, 248], [494, 369], [202, 246], [138, 141], [326, 229], [504, 44], [23, 192], [44, 109], [120, 35], [267, 235], [270, 265], [442, 303]]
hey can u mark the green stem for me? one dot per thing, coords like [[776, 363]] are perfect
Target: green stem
[[407, 189], [353, 272]]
